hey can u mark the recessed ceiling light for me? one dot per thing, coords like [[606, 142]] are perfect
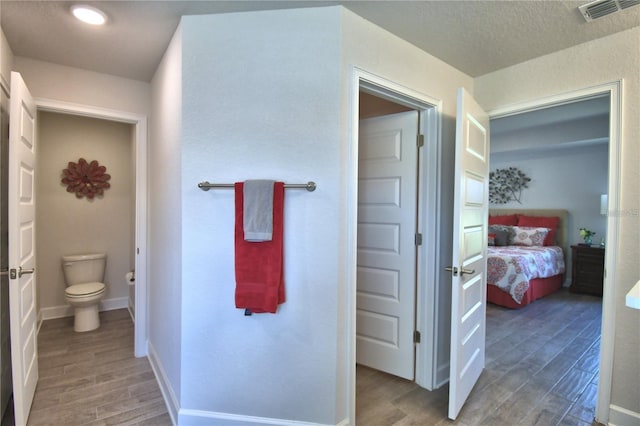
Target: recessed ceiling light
[[89, 14]]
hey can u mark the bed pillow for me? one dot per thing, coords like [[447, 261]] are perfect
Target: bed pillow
[[528, 236], [502, 234], [508, 220], [551, 222]]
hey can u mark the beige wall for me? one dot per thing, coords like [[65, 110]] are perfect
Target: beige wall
[[6, 61], [601, 61], [74, 85], [68, 225], [373, 106]]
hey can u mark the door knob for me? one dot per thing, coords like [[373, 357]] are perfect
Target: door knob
[[467, 271]]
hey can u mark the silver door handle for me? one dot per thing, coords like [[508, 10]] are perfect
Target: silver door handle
[[22, 272], [4, 272], [462, 271]]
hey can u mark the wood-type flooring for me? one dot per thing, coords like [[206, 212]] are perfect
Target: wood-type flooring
[[541, 369], [93, 378]]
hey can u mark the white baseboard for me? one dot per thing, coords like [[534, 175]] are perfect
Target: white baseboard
[[619, 416], [211, 418], [169, 396], [54, 312]]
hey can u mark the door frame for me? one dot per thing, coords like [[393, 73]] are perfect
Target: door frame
[[141, 241], [614, 90], [430, 110]]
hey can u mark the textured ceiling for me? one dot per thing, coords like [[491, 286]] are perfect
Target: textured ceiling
[[476, 37]]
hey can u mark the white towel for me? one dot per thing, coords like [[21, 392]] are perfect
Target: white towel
[[257, 215]]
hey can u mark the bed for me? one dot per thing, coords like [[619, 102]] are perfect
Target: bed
[[519, 275]]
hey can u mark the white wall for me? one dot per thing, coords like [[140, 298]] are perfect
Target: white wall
[[261, 100], [267, 95], [379, 52], [68, 225], [165, 220], [600, 61]]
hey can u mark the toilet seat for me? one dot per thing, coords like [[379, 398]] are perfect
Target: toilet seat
[[84, 290]]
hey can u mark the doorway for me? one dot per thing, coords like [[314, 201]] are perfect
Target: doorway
[[67, 224], [426, 317], [137, 133], [613, 91], [139, 153]]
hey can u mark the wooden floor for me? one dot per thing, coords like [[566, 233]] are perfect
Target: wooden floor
[[541, 369], [92, 378]]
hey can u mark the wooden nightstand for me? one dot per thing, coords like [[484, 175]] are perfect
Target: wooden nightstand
[[587, 270]]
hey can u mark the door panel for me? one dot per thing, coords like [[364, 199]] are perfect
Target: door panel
[[387, 212], [22, 291], [468, 295]]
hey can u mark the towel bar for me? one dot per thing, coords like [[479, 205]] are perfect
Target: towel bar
[[309, 186]]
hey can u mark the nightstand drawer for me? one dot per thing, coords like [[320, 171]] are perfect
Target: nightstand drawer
[[587, 273]]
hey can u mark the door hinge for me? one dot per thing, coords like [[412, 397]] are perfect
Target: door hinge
[[420, 140], [416, 336], [418, 239]]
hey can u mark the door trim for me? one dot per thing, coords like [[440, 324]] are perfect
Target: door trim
[[614, 89], [428, 222], [141, 242]]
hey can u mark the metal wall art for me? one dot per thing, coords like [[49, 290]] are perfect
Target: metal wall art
[[86, 179], [506, 185]]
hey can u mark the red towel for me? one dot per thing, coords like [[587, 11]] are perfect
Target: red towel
[[259, 271]]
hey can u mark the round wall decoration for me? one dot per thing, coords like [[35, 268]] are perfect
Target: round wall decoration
[[86, 179]]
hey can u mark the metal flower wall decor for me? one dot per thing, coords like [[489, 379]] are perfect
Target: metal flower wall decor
[[506, 185], [86, 179]]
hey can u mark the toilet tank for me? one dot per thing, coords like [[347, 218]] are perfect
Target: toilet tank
[[84, 268]]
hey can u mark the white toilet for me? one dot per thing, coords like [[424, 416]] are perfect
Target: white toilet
[[83, 275]]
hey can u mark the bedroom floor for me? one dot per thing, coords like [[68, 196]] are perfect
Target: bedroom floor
[[541, 369]]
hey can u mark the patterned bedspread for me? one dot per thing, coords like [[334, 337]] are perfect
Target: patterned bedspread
[[510, 268]]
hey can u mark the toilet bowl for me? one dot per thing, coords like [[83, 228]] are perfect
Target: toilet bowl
[[84, 274]]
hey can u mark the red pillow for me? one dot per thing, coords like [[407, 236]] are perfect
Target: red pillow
[[550, 222], [508, 220]]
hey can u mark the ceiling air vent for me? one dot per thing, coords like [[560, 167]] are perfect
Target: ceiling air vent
[[599, 8]]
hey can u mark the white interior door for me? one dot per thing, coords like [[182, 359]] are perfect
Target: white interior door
[[6, 388], [469, 283], [22, 256], [386, 269]]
